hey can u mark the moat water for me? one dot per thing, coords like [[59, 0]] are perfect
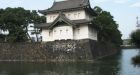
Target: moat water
[[120, 64]]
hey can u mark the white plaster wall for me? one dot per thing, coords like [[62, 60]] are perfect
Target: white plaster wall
[[47, 35], [73, 15], [76, 15], [85, 32], [58, 33], [67, 32], [44, 35], [51, 17], [63, 32], [88, 16], [81, 32], [92, 33]]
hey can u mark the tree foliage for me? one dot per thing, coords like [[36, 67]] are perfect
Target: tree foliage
[[16, 21], [135, 37], [108, 28]]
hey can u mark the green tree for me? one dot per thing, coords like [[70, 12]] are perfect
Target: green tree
[[16, 21], [2, 28], [135, 38], [108, 28]]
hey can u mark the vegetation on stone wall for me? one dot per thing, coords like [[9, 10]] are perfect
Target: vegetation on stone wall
[[16, 21], [108, 28]]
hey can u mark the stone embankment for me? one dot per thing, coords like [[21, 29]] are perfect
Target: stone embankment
[[58, 51]]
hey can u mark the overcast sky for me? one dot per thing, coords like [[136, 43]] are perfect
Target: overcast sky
[[124, 11]]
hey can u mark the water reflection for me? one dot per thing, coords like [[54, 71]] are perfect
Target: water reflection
[[49, 69], [127, 65], [115, 65]]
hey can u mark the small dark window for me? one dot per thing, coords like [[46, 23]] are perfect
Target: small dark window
[[50, 17], [60, 31], [53, 17], [78, 14], [78, 31], [68, 15], [49, 33], [67, 30], [75, 15], [54, 30]]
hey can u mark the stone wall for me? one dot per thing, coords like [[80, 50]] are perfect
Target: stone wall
[[58, 51]]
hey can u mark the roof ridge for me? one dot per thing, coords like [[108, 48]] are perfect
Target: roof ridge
[[66, 5]]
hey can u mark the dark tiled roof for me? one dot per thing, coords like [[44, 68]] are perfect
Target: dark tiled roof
[[66, 5], [81, 21], [77, 22], [42, 25]]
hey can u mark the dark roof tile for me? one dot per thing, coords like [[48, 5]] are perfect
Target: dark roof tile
[[46, 25], [64, 5]]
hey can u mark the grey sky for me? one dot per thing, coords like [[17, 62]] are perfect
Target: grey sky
[[124, 11]]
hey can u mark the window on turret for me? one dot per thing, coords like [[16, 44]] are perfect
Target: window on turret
[[78, 31], [68, 15], [53, 17], [49, 33], [75, 15], [50, 17], [79, 15], [60, 31], [66, 30], [54, 31]]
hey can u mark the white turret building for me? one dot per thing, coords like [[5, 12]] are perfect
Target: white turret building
[[68, 19]]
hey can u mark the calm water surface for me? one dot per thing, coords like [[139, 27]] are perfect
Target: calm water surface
[[120, 64]]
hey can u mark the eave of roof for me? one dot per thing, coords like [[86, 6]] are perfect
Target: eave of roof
[[44, 12], [77, 22]]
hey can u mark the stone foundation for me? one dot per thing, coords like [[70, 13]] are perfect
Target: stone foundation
[[58, 51]]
